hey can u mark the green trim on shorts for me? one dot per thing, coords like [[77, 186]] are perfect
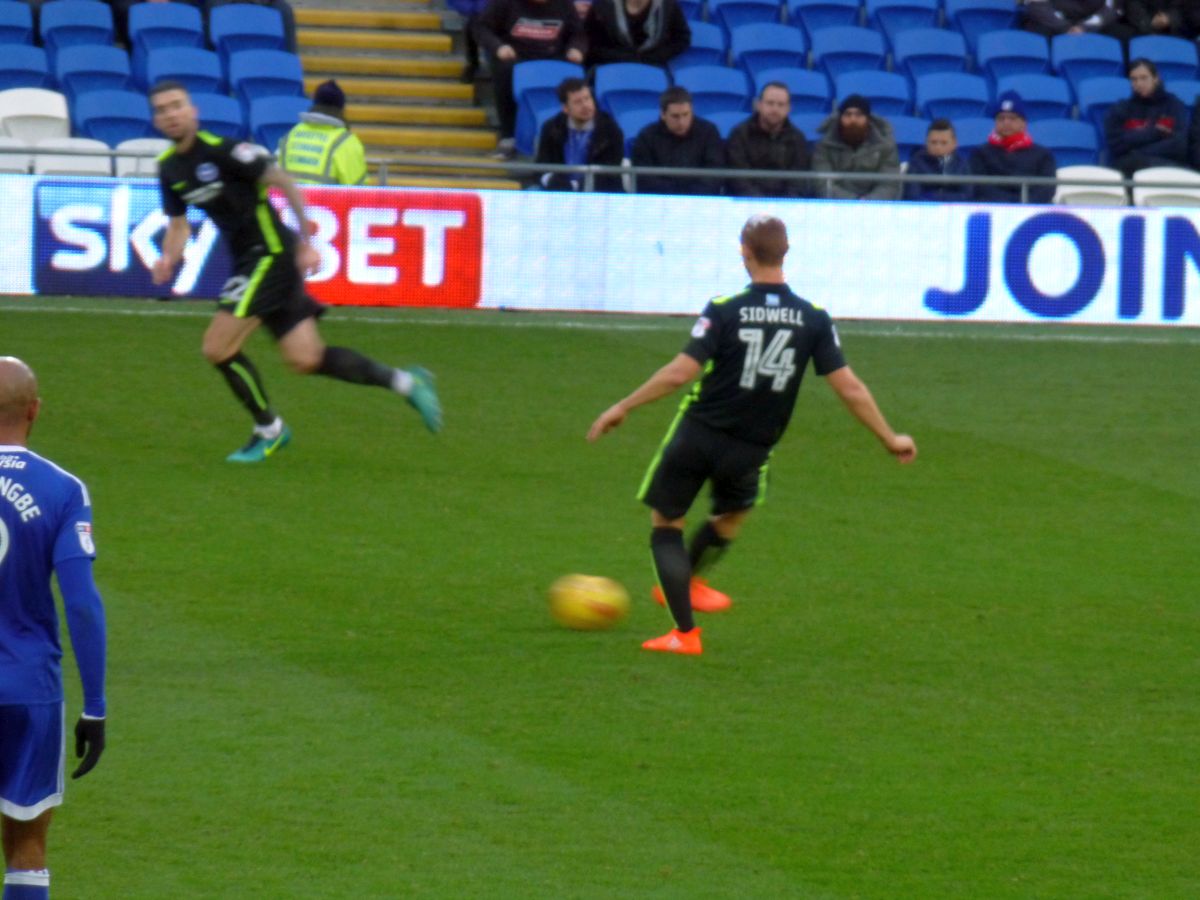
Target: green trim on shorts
[[687, 401], [761, 497], [256, 277], [265, 225]]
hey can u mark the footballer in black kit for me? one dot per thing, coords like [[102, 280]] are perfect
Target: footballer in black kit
[[747, 356], [222, 178], [754, 347], [229, 181]]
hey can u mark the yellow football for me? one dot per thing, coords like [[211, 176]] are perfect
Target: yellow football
[[588, 602]]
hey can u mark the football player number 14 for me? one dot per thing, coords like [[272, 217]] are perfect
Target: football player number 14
[[776, 362]]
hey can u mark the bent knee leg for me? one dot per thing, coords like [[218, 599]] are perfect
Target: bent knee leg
[[304, 360]]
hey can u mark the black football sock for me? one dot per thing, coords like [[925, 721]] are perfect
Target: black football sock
[[350, 365], [707, 547], [674, 574], [243, 379]]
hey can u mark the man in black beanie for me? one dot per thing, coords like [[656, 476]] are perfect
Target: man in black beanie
[[854, 140], [321, 149]]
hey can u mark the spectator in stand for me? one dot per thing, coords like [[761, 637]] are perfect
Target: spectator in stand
[[1055, 17], [513, 31], [580, 135], [853, 140], [1174, 18], [638, 31], [469, 10], [321, 149], [1148, 129], [769, 140], [679, 139], [1010, 151], [939, 156]]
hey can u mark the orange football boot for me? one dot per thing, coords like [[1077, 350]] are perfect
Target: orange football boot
[[704, 598], [676, 641]]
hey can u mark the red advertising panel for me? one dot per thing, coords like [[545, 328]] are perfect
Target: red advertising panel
[[396, 248]]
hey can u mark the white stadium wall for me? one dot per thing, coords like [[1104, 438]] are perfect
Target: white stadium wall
[[612, 253]]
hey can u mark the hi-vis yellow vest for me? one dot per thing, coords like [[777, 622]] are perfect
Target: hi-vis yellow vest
[[322, 154]]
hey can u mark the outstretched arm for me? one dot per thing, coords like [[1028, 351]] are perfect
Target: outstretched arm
[[857, 397], [666, 380]]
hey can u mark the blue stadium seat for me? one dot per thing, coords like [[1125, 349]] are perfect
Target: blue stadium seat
[[23, 66], [221, 114], [1096, 95], [972, 131], [925, 51], [709, 47], [238, 26], [155, 25], [1187, 90], [1007, 52], [1175, 57], [632, 121], [1073, 143], [693, 10], [95, 68], [197, 70], [756, 48], [732, 14], [910, 134], [813, 15], [265, 73], [727, 121], [809, 123], [272, 117], [977, 17], [894, 16], [112, 116], [69, 23], [809, 90], [1077, 57], [952, 96], [716, 89], [1044, 96], [535, 87], [838, 50], [622, 86], [16, 24], [888, 92]]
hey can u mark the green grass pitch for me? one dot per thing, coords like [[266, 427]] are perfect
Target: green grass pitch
[[334, 675]]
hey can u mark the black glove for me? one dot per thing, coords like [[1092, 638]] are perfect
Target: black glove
[[89, 743]]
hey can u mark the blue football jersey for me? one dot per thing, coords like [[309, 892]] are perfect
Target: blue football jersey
[[45, 519]]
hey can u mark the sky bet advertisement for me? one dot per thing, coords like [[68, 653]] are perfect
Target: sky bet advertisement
[[617, 253]]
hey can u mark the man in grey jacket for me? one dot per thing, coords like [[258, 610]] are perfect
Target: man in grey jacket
[[853, 140]]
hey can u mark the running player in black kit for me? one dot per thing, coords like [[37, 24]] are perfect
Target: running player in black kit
[[229, 181], [750, 351]]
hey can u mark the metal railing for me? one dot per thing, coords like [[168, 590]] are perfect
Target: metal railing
[[589, 173]]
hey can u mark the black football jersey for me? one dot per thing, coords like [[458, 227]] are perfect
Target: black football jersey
[[754, 347], [221, 177]]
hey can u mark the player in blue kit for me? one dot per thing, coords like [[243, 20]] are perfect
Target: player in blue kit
[[749, 351], [45, 527]]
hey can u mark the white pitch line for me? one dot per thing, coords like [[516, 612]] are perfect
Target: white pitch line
[[534, 319]]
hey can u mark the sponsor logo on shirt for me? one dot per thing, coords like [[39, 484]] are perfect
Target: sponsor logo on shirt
[[537, 29], [207, 172]]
